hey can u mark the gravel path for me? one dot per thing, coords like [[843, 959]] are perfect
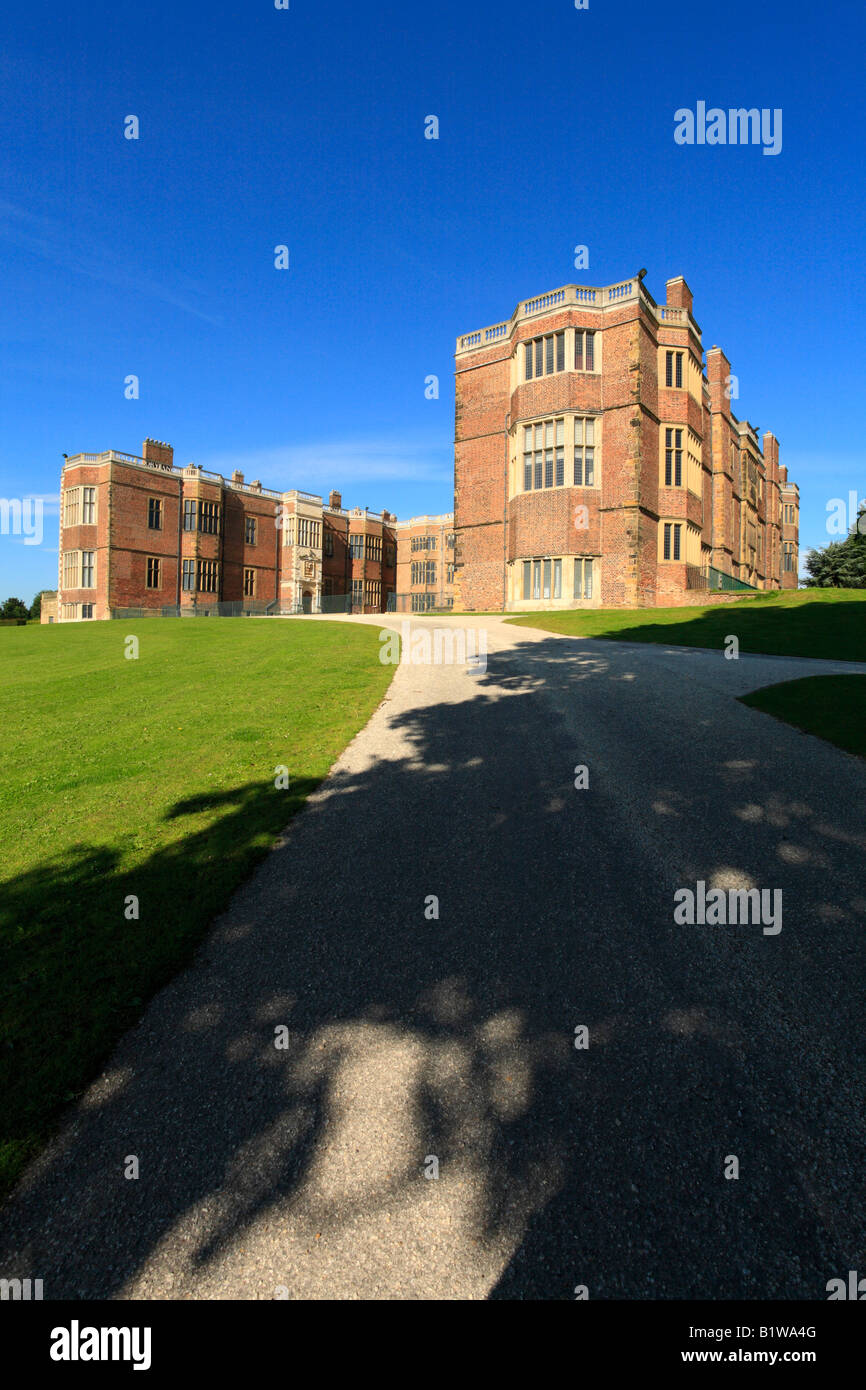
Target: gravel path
[[300, 1171]]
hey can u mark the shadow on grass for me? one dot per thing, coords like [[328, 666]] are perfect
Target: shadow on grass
[[75, 963], [830, 707], [409, 1037], [820, 630]]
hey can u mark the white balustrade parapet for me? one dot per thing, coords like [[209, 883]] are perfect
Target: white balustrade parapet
[[446, 519], [296, 494], [580, 296], [190, 470]]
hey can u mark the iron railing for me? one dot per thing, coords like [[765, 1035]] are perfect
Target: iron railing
[[709, 578], [726, 583], [424, 601]]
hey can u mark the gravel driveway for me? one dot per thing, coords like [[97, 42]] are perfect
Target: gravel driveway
[[428, 1036]]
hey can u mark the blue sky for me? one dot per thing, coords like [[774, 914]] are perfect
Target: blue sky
[[305, 127]]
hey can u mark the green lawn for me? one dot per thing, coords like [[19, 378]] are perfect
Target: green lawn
[[152, 777], [829, 623], [833, 707]]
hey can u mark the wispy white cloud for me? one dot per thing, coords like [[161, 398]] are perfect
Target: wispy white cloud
[[50, 500], [337, 463], [53, 240]]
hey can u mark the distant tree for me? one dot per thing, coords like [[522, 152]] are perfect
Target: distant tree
[[14, 608], [841, 564]]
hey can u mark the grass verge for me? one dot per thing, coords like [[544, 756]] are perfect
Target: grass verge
[[151, 778], [820, 623], [830, 706]]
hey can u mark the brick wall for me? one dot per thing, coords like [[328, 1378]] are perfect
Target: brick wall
[[631, 399]]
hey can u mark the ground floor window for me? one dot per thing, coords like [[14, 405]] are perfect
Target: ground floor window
[[583, 578], [249, 583], [87, 610], [208, 576], [154, 572], [681, 541], [672, 544], [422, 603], [542, 579], [358, 592]]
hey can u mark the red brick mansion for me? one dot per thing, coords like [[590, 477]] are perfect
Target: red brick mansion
[[597, 462]]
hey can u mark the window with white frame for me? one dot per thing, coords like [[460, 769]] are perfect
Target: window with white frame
[[250, 530], [71, 506], [249, 583], [672, 540], [88, 506], [583, 577], [71, 568], [680, 541], [584, 350], [584, 451], [542, 578], [79, 569], [544, 454], [673, 462], [674, 369]]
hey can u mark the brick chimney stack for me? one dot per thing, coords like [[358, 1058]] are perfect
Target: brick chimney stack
[[719, 377], [160, 454], [335, 501], [679, 294]]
